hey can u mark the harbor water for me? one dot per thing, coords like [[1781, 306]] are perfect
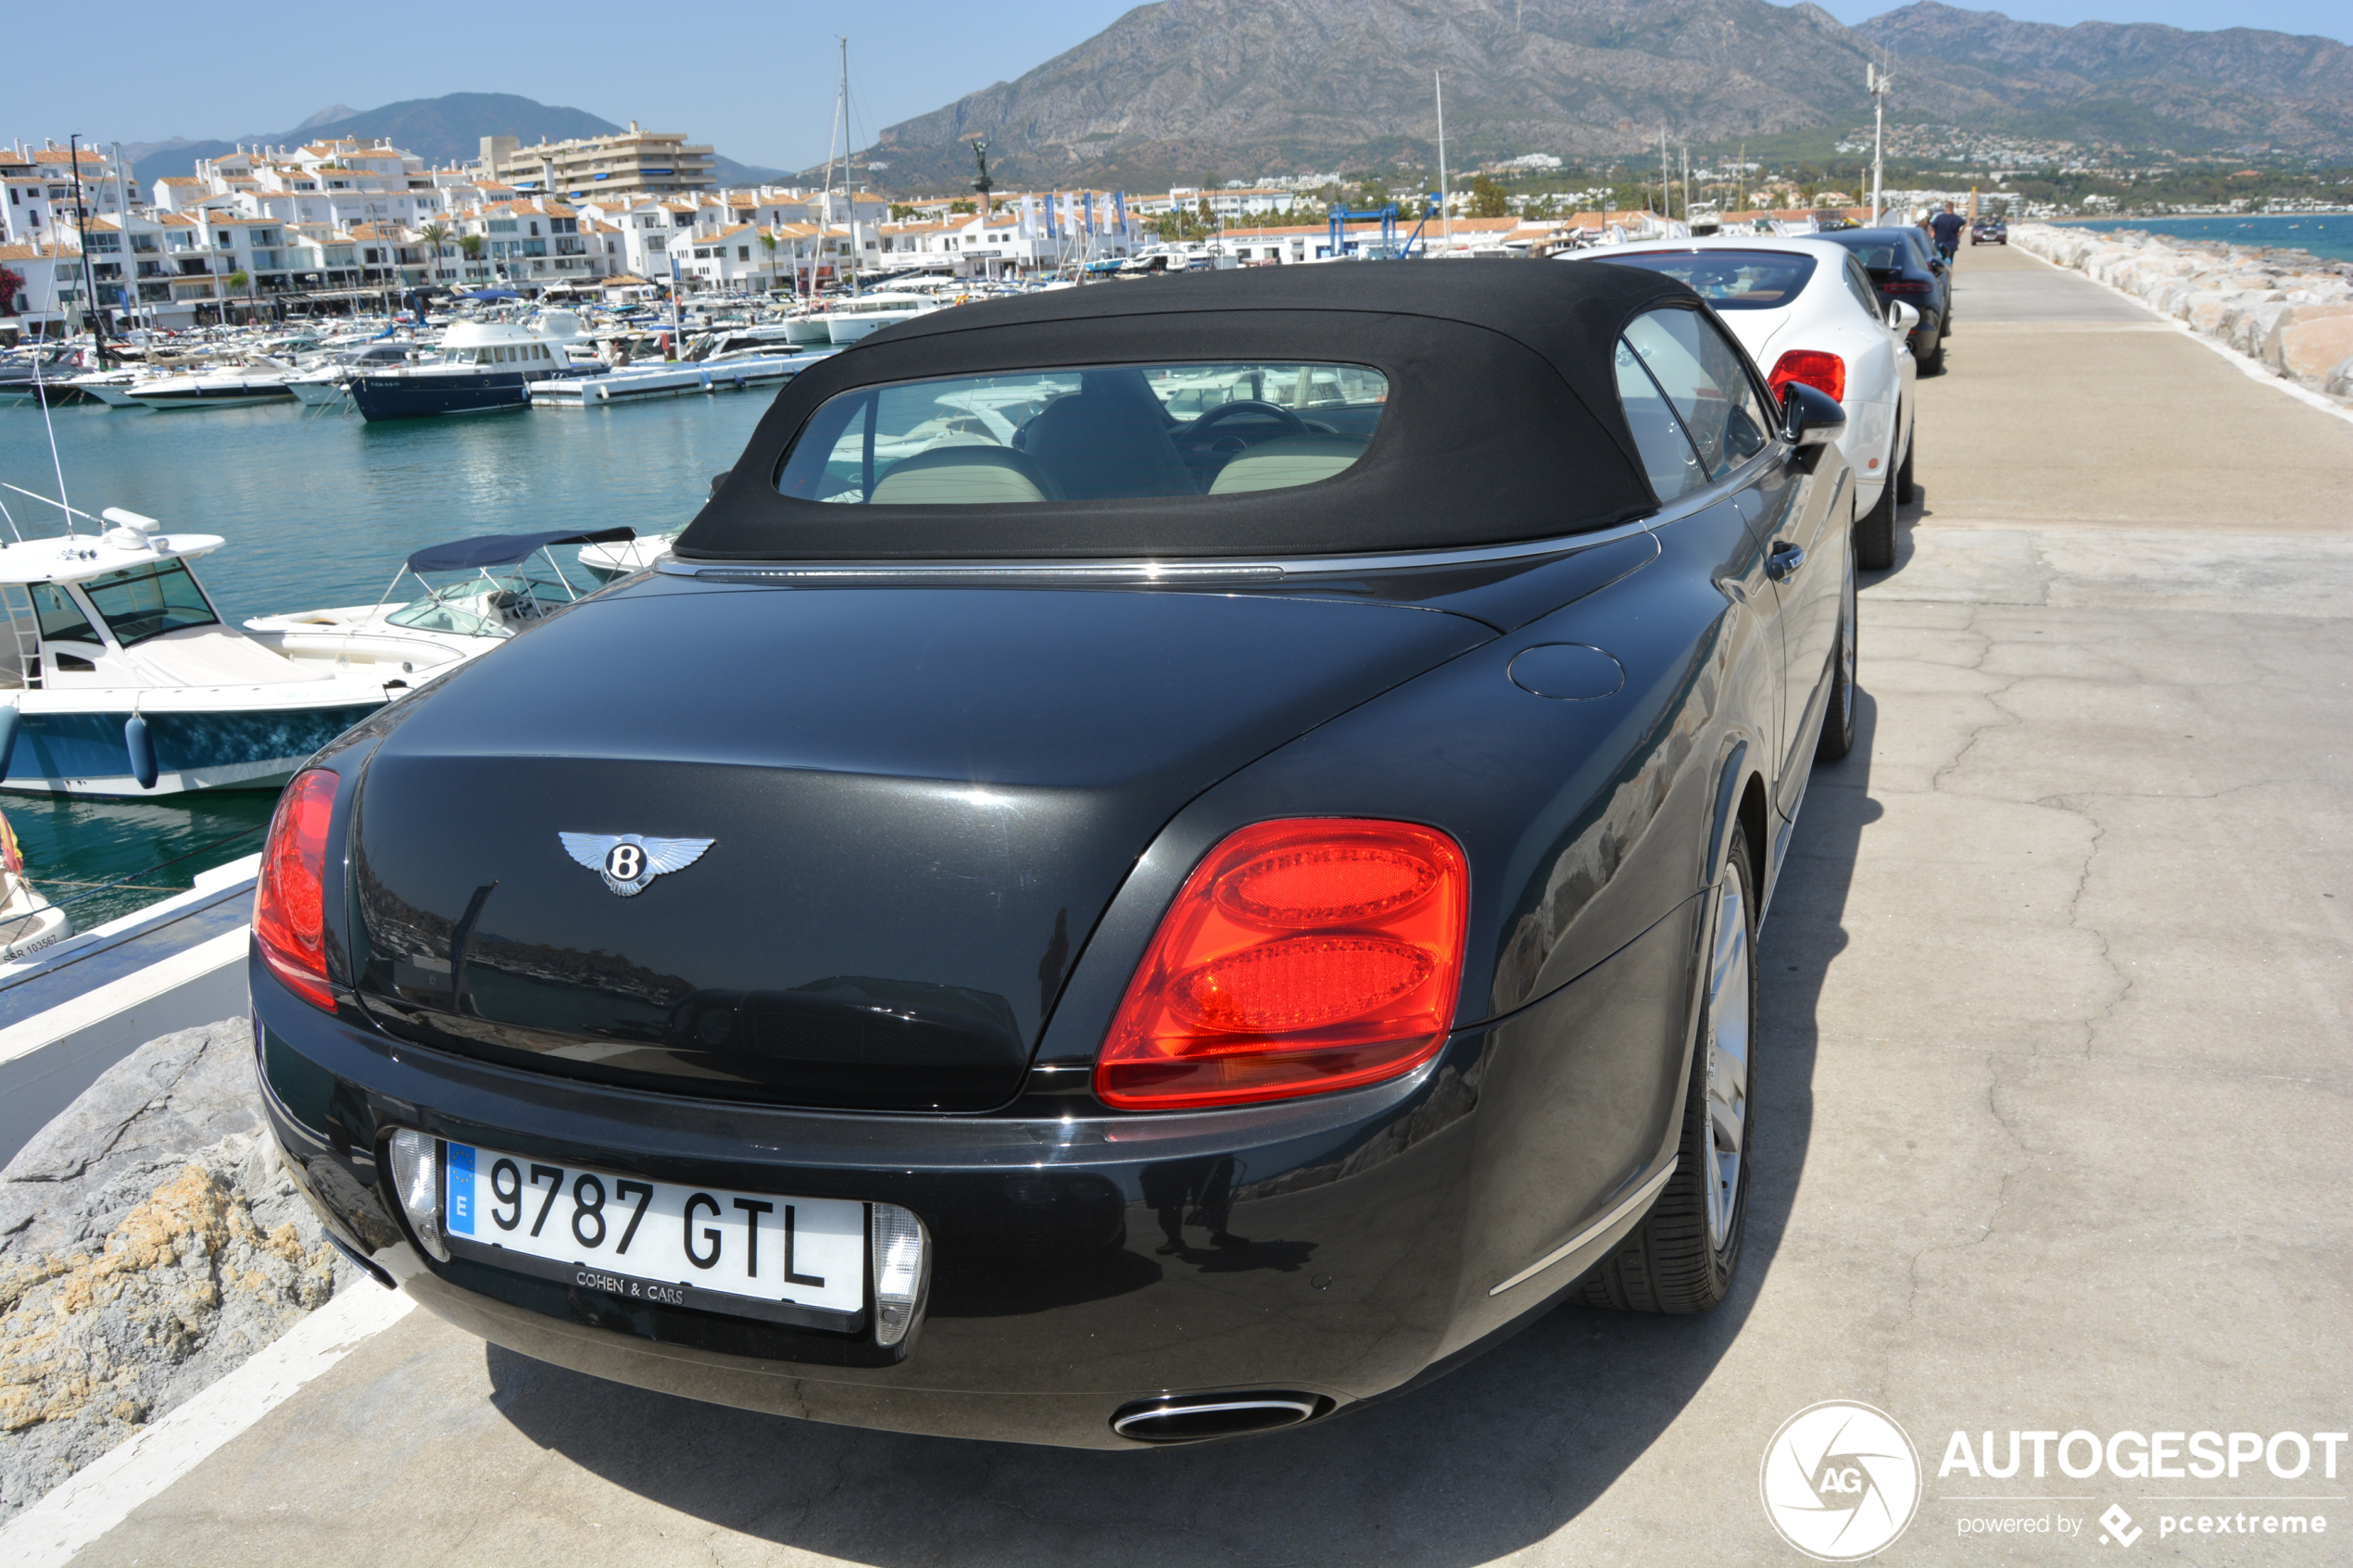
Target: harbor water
[[320, 510], [2328, 235]]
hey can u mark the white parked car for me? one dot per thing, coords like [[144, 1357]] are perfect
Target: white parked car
[[1806, 311]]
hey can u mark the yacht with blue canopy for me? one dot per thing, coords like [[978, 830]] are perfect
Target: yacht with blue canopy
[[493, 586]]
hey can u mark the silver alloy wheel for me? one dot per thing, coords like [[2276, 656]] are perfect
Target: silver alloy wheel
[[1727, 1047]]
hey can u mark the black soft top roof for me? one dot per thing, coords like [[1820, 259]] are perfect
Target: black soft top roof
[[1502, 420]]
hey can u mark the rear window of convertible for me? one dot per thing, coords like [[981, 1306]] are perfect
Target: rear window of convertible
[[1090, 433]]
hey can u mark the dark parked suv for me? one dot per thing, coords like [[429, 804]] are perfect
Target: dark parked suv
[[1903, 266]]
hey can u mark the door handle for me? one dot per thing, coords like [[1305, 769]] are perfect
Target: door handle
[[1783, 561]]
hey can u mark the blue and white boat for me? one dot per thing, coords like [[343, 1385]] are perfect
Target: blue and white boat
[[118, 677], [485, 366]]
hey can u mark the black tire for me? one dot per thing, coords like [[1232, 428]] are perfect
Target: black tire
[[1676, 1261], [1935, 363], [1875, 531], [1838, 717], [1907, 492]]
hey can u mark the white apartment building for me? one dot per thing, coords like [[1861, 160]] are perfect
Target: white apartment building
[[1227, 204]]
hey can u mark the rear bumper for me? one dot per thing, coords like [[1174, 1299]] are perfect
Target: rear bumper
[[1341, 1246]]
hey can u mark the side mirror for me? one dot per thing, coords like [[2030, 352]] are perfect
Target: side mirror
[[1901, 316], [1810, 417]]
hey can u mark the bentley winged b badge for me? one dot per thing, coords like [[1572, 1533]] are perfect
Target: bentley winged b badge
[[629, 861]]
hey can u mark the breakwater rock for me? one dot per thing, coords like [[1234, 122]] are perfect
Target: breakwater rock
[[2288, 309], [149, 1243]]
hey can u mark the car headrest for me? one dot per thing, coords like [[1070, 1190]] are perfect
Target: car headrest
[[951, 476], [1285, 461], [1106, 445]]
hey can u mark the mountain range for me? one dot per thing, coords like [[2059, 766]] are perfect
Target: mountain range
[[1192, 89], [441, 131]]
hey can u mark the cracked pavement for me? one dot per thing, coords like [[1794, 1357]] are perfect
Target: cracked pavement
[[2052, 1112]]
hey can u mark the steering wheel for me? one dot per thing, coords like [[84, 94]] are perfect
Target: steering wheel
[[1292, 424]]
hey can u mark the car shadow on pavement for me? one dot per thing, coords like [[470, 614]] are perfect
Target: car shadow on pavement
[[1486, 1461]]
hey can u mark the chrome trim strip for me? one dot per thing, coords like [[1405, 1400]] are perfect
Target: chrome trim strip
[[1634, 1200], [1013, 572]]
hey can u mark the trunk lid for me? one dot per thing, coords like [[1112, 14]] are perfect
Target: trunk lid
[[918, 802]]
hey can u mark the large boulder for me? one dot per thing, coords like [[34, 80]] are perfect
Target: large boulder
[[2314, 346], [2204, 308]]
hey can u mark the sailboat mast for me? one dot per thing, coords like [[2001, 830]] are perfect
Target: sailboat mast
[[848, 196], [89, 276]]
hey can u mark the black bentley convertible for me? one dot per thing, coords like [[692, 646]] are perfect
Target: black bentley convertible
[[1158, 863]]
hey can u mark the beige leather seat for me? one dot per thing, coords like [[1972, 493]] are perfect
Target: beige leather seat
[[1285, 461], [964, 476]]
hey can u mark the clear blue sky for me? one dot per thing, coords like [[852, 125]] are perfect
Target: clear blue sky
[[757, 80]]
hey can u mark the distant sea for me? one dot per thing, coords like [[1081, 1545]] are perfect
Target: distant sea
[[2329, 235]]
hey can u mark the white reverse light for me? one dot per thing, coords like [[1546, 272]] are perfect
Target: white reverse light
[[898, 1271], [416, 1176]]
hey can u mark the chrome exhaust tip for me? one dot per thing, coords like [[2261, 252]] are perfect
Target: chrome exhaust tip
[[1199, 1418]]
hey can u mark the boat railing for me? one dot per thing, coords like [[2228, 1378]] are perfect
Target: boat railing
[[20, 641]]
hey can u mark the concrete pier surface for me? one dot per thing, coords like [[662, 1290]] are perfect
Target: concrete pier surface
[[2052, 1132]]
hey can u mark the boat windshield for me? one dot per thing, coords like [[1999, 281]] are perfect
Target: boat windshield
[[61, 619], [147, 601], [430, 614], [1087, 434]]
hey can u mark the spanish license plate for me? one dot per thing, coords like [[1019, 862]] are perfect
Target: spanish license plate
[[663, 1241]]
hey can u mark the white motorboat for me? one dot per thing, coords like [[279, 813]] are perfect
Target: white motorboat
[[862, 315], [487, 600], [720, 374], [233, 386], [118, 677]]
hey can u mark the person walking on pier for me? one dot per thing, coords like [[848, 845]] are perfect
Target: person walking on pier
[[1947, 226]]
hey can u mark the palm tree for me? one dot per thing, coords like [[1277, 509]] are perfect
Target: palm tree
[[768, 244], [436, 236], [471, 245]]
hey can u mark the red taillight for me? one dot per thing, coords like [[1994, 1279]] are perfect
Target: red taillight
[[1819, 369], [289, 904], [1301, 956], [1906, 286]]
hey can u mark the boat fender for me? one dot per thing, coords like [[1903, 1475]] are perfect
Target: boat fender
[[9, 719], [604, 393], [141, 746]]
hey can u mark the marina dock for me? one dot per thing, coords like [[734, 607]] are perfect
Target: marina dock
[[2100, 780]]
